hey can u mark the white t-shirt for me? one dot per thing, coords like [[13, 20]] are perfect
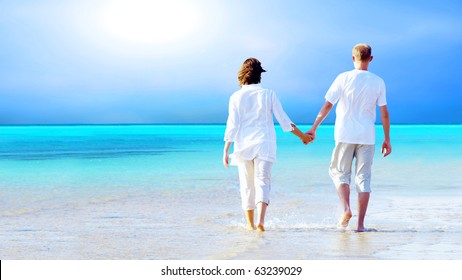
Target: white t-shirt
[[358, 93], [250, 123]]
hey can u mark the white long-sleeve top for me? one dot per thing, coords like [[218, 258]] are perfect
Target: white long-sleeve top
[[250, 123]]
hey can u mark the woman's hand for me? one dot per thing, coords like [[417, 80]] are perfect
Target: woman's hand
[[225, 154], [225, 159], [306, 139]]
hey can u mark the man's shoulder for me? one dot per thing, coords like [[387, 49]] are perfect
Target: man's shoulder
[[371, 75], [375, 75], [347, 74]]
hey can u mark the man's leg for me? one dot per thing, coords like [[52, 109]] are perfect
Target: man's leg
[[364, 159], [343, 191], [340, 172], [363, 201]]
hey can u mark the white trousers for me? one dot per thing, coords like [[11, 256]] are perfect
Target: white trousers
[[255, 182]]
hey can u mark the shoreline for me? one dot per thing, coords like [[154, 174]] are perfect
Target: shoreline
[[143, 226]]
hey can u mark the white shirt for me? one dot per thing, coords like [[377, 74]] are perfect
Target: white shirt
[[250, 123], [358, 93]]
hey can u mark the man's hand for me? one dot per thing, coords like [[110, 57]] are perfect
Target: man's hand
[[312, 134], [386, 148]]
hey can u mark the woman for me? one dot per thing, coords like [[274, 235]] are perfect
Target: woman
[[250, 127]]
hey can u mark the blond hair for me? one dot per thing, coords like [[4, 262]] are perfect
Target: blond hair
[[362, 52]]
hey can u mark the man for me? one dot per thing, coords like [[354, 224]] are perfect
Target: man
[[357, 93]]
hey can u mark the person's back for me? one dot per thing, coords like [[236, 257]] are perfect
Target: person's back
[[255, 114], [358, 92], [250, 127]]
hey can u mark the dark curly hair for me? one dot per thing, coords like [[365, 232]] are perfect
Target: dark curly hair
[[250, 72]]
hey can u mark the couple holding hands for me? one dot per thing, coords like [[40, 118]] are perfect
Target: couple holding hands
[[250, 127]]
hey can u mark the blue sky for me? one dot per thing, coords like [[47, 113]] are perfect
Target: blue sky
[[176, 61]]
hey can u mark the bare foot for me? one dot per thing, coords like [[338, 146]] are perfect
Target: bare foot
[[343, 223], [361, 230], [260, 228], [366, 230], [250, 227]]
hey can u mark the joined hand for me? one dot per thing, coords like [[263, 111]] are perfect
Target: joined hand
[[311, 134], [306, 139]]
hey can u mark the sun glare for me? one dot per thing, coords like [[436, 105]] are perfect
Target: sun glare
[[150, 22]]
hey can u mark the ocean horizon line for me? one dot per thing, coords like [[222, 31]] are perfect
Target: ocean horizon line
[[191, 124]]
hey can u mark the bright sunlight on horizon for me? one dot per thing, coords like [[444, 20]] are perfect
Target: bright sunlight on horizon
[[150, 22]]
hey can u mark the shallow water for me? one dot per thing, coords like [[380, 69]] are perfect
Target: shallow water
[[160, 192]]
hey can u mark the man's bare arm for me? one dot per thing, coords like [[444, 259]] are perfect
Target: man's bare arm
[[385, 116]]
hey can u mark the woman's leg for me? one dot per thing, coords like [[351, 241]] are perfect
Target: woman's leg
[[261, 206], [247, 189], [262, 189], [249, 217]]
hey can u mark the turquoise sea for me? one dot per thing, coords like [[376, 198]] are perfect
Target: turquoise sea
[[161, 192]]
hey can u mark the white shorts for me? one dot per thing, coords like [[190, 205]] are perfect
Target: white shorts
[[255, 182], [342, 159]]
